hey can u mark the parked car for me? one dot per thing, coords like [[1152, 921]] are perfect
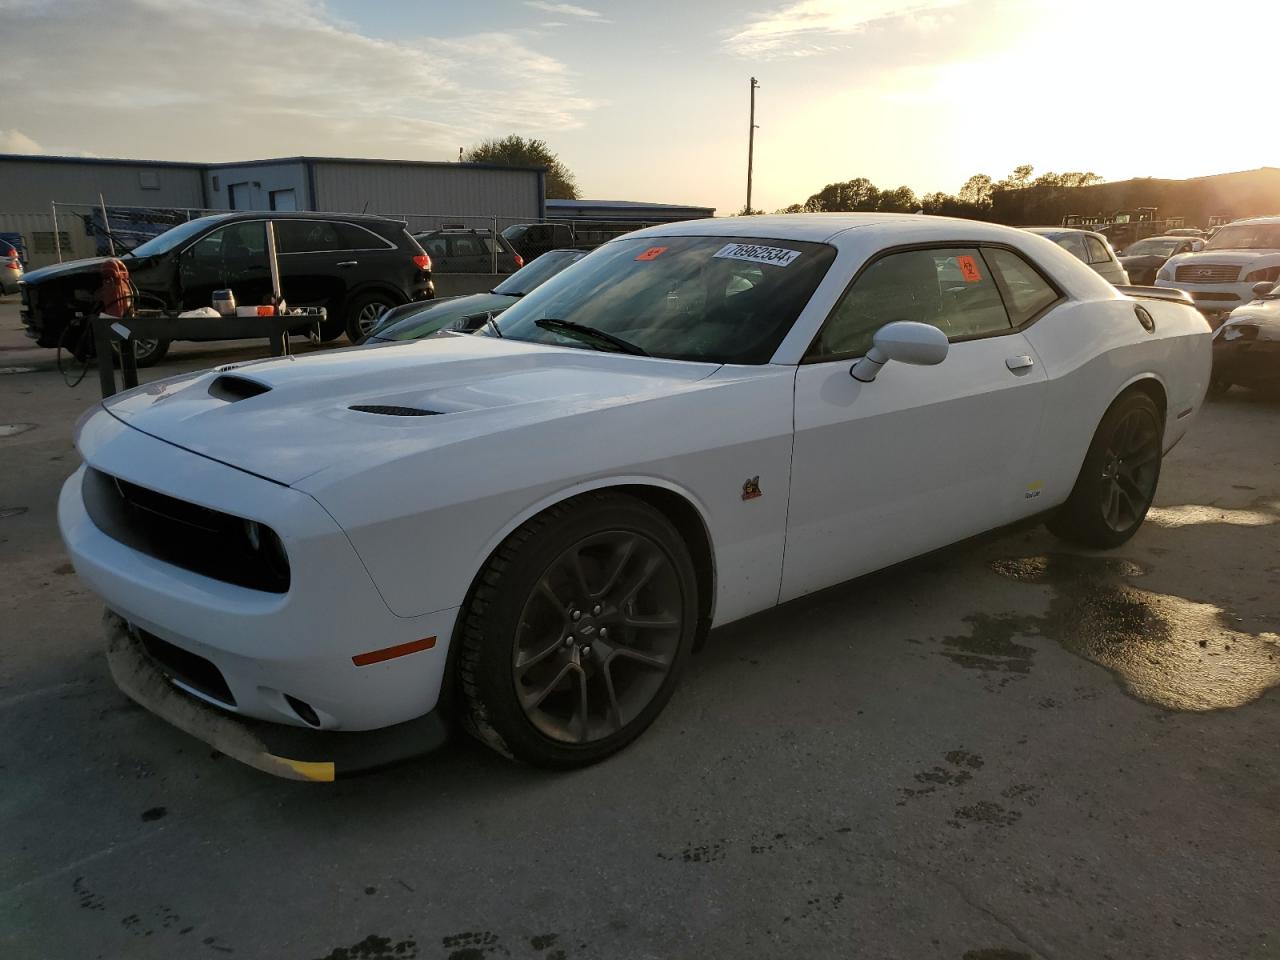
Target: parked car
[[354, 266], [1088, 247], [1221, 277], [10, 268], [466, 314], [469, 251], [1195, 232], [531, 528], [1143, 259], [1246, 348], [532, 240]]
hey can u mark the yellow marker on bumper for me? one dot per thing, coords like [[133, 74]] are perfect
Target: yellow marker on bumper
[[318, 770]]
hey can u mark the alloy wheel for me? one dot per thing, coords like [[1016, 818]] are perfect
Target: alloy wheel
[[1131, 467], [597, 636]]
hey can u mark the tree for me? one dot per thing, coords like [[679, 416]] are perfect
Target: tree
[[793, 208], [976, 190], [902, 200], [516, 151], [748, 212]]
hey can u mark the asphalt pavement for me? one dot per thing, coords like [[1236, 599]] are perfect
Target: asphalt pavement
[[1009, 750]]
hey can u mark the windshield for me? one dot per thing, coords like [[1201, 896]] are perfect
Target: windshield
[[537, 272], [710, 299], [1246, 236], [1152, 247], [173, 238]]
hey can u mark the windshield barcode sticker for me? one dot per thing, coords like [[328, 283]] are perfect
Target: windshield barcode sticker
[[777, 256]]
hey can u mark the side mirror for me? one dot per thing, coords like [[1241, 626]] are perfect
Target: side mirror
[[1262, 288], [905, 341]]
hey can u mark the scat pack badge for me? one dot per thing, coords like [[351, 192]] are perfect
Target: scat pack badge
[[751, 489]]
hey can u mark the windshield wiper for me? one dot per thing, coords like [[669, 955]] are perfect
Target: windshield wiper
[[580, 331]]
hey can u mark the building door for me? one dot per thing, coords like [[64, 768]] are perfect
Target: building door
[[241, 196], [284, 200]]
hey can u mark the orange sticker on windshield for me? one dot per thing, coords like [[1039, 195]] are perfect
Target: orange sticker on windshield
[[969, 269], [653, 253]]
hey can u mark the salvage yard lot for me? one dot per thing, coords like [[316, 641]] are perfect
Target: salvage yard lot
[[1002, 751]]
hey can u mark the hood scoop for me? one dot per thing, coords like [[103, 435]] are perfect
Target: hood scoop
[[393, 411], [232, 388]]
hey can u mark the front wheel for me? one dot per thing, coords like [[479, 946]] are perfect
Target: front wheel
[[1118, 480], [577, 631]]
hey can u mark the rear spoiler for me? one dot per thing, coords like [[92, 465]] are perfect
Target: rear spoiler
[[1156, 293]]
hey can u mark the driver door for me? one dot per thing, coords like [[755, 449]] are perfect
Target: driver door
[[232, 257], [922, 456]]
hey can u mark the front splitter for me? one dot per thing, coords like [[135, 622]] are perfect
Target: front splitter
[[295, 753]]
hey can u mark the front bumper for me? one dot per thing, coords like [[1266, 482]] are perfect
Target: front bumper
[[281, 751], [264, 649], [1214, 300]]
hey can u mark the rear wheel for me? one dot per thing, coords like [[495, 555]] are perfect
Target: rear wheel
[[1118, 480], [146, 353], [577, 632], [363, 310]]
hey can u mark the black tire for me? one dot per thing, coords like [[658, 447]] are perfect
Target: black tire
[[147, 353], [1118, 480], [1218, 387], [360, 311], [334, 326], [518, 604]]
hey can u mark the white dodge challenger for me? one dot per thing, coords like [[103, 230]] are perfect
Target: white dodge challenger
[[530, 528]]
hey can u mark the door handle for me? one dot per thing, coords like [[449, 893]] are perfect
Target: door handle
[[348, 263], [1019, 364]]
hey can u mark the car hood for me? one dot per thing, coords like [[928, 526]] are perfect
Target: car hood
[[91, 265], [435, 315], [290, 418], [1242, 258]]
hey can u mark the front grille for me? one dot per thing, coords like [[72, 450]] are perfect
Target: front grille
[[204, 541], [1207, 273], [194, 671]]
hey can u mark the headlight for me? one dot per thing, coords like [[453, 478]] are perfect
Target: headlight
[[1270, 274], [1165, 273]]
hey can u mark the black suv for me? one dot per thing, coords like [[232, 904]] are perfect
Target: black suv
[[354, 266]]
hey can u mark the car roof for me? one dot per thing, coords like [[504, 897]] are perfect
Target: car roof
[[1063, 231], [1253, 220], [298, 215]]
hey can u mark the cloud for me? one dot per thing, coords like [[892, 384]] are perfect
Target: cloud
[[809, 26], [567, 10], [15, 141], [296, 80]]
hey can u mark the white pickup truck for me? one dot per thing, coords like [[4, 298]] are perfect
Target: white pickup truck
[[1221, 276]]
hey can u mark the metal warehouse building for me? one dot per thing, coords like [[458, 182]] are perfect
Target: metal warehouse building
[[427, 193]]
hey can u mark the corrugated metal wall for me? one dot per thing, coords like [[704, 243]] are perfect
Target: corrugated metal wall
[[445, 189], [262, 179], [29, 185], [37, 232]]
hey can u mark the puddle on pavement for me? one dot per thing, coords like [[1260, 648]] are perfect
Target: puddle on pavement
[[1193, 513], [1165, 650], [13, 429]]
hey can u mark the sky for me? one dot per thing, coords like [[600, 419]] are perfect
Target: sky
[[648, 99]]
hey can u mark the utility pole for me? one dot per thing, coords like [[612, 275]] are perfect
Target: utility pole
[[751, 140]]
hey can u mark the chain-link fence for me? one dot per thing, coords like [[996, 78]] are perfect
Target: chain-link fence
[[72, 231]]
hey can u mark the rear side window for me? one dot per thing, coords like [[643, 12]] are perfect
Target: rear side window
[[466, 247], [353, 237], [1074, 244], [306, 236], [1098, 252], [1027, 293], [950, 288]]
